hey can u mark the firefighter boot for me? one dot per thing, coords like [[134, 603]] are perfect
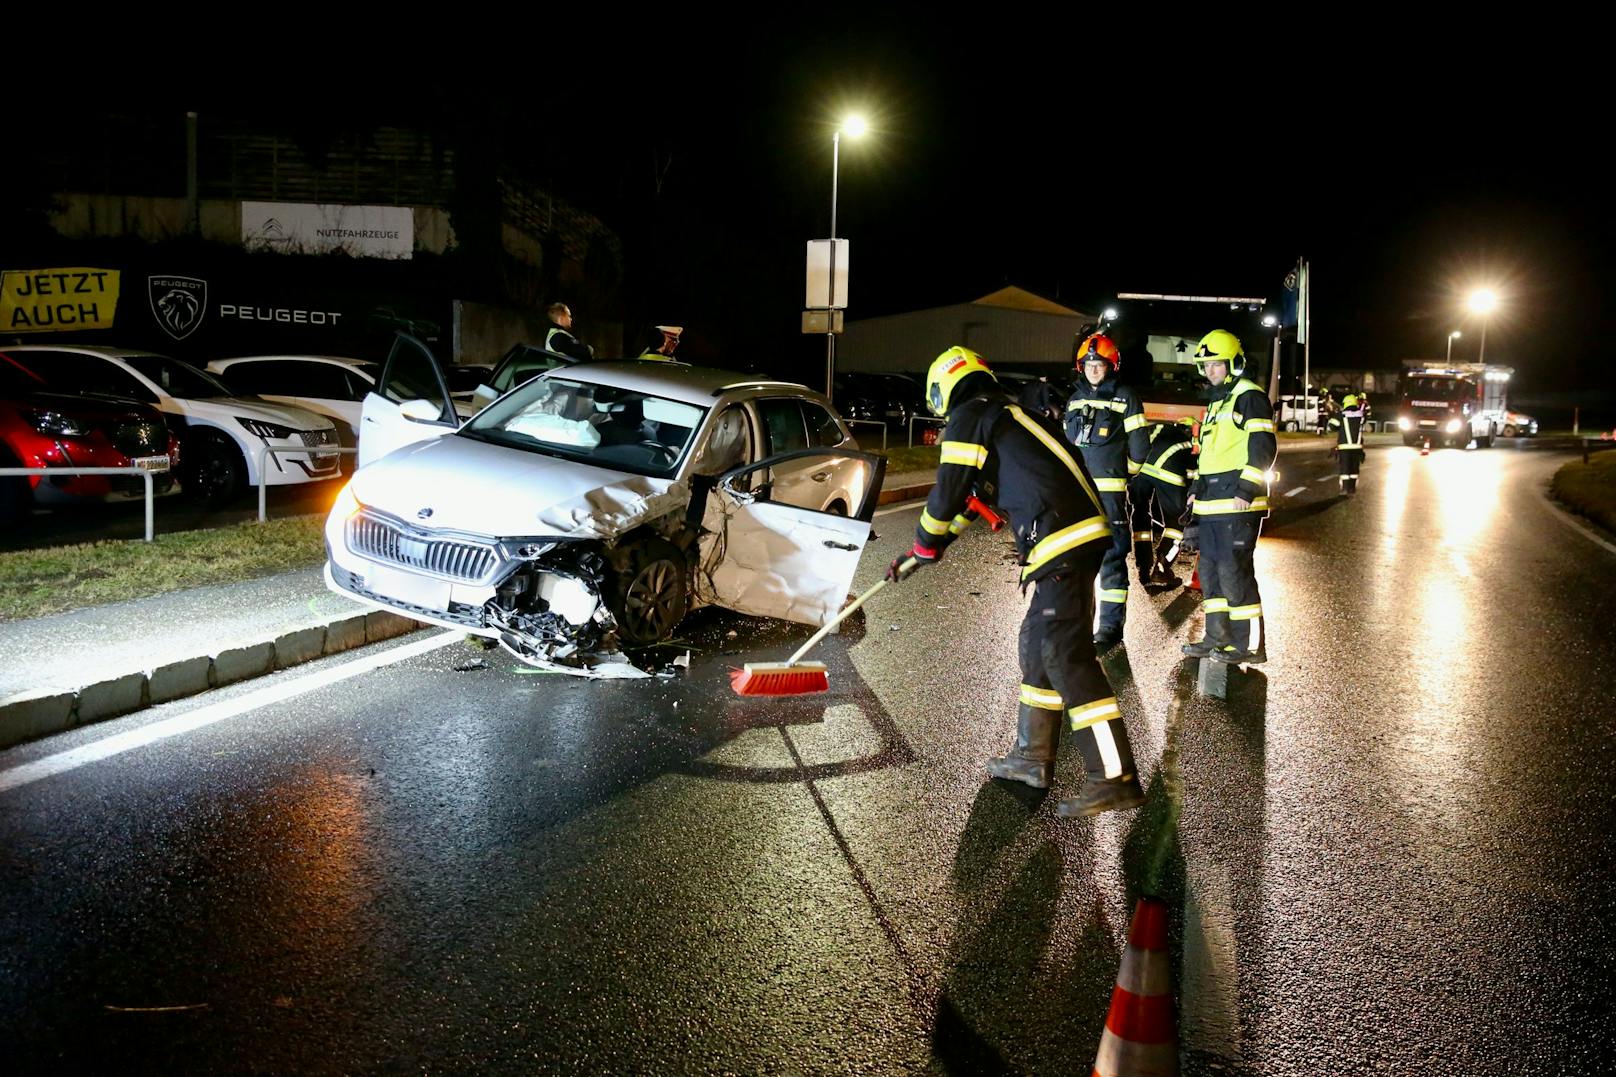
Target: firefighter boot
[[1248, 651], [1109, 782], [1032, 760]]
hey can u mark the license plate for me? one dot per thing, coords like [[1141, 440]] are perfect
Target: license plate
[[407, 587], [151, 463], [1427, 422]]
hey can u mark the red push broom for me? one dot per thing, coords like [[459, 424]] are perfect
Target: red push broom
[[794, 677]]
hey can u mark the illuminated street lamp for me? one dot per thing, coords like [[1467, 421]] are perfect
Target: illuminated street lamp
[[1483, 301], [1453, 336], [856, 127]]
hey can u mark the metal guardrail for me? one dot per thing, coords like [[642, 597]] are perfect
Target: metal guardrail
[[268, 450], [913, 419], [871, 422], [142, 472]]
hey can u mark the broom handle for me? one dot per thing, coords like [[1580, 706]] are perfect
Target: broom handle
[[838, 619]]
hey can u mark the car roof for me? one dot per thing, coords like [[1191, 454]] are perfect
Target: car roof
[[342, 360], [675, 381], [89, 349]]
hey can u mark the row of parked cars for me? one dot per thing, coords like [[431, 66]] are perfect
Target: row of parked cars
[[80, 406]]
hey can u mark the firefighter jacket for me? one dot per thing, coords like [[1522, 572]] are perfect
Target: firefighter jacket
[[1348, 427], [1020, 463], [1108, 426], [1171, 455], [1237, 449]]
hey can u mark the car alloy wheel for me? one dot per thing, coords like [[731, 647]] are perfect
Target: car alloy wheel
[[652, 598]]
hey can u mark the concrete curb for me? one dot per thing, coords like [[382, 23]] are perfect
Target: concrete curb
[[30, 715]]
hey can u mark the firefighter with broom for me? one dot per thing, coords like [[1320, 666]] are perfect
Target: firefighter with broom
[[1022, 464]]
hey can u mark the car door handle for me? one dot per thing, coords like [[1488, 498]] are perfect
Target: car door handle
[[821, 476], [848, 546]]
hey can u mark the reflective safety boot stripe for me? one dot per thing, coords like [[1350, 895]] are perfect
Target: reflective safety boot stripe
[[1172, 533], [1115, 597], [1350, 475], [931, 524], [1226, 505], [1110, 758], [1043, 698], [1143, 536], [958, 524], [1134, 422], [1215, 605], [1067, 538], [1254, 474], [1259, 426], [963, 452], [1245, 613], [1111, 486], [1133, 468], [1101, 710], [1055, 447]]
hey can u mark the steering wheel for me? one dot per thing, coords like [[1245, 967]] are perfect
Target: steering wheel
[[657, 446]]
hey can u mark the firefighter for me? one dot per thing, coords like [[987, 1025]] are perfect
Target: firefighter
[[1237, 447], [1160, 495], [994, 448], [1107, 424], [1349, 450]]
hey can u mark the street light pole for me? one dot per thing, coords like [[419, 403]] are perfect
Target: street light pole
[[1453, 336], [1482, 357], [830, 283]]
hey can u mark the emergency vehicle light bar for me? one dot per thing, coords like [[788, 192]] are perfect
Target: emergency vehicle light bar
[[1190, 298]]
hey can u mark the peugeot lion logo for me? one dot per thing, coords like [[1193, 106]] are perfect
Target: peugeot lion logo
[[423, 514], [178, 303]]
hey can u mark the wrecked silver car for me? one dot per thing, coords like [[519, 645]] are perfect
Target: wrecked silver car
[[586, 512]]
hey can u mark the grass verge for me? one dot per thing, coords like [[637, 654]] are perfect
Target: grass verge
[[34, 583], [1589, 489]]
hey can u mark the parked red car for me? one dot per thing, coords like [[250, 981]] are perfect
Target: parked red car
[[45, 429]]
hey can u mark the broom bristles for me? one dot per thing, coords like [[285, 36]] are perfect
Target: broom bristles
[[779, 679]]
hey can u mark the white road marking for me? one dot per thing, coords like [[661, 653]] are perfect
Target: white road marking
[[1328, 478], [908, 506], [1293, 493], [119, 743]]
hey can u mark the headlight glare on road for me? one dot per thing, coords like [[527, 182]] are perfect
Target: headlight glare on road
[[1403, 423], [1453, 426]]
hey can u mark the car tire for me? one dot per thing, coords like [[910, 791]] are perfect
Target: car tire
[[16, 497], [1290, 426], [651, 593], [1509, 430], [214, 470], [837, 508]]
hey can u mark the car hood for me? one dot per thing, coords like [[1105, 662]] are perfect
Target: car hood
[[248, 407], [100, 408], [493, 490]]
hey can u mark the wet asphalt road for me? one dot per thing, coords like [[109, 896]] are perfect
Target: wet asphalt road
[[1389, 850]]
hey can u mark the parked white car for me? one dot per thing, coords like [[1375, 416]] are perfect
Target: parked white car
[[223, 433], [1296, 412], [592, 507], [328, 385]]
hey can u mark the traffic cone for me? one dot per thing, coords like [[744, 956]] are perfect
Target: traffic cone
[[1139, 1038], [1195, 579], [1425, 447]]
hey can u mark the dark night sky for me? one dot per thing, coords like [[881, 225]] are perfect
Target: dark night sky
[[1073, 160]]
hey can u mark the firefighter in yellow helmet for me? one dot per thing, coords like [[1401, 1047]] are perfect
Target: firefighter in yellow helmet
[[1237, 447], [1348, 425], [1106, 422], [995, 449]]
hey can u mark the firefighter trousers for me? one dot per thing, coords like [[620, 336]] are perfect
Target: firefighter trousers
[[1158, 521], [1060, 673], [1113, 589], [1349, 461], [1230, 599]]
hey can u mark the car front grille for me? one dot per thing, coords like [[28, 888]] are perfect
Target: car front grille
[[140, 439], [315, 438], [383, 540]]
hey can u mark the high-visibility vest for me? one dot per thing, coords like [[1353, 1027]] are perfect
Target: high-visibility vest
[[1223, 444]]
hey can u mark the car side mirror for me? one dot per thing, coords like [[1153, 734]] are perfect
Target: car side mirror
[[420, 411]]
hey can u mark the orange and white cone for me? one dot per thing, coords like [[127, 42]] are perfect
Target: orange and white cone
[[1195, 579], [1425, 447], [1139, 1038]]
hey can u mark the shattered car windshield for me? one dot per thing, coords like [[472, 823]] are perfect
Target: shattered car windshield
[[602, 425]]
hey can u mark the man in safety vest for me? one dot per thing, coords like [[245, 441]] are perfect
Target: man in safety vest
[[663, 341], [1230, 500], [559, 338], [1160, 494], [1107, 424], [992, 447], [1349, 452]]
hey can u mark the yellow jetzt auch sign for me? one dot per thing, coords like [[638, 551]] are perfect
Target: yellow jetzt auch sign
[[53, 300]]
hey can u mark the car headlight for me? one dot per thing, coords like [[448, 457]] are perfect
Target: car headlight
[[346, 503], [259, 428], [1453, 426], [1404, 423], [55, 424]]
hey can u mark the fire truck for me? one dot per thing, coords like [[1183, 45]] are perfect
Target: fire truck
[[1453, 403]]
